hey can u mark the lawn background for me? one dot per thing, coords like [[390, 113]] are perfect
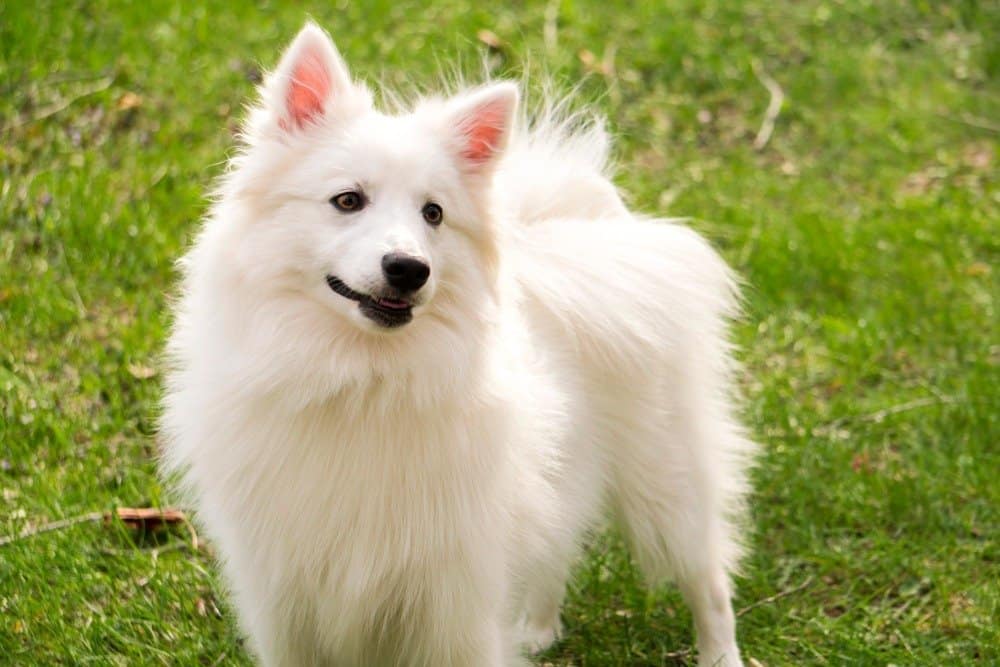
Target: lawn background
[[867, 229]]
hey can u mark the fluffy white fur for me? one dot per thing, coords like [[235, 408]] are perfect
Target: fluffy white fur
[[416, 495]]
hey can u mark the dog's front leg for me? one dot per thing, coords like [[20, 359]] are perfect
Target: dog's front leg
[[465, 619], [469, 643]]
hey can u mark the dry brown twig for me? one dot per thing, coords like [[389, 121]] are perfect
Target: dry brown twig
[[551, 28], [685, 652], [148, 518], [681, 653], [773, 106], [879, 415], [971, 121], [53, 525], [777, 596], [51, 110]]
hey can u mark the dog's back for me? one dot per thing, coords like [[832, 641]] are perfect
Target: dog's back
[[633, 312]]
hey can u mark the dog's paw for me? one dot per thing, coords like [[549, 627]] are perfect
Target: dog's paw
[[720, 657], [538, 639]]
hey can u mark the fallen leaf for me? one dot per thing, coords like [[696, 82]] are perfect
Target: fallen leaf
[[789, 168], [924, 181], [978, 156], [129, 100], [604, 67], [147, 518], [141, 372], [491, 39], [978, 269]]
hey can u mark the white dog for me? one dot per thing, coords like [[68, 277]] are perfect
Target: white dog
[[417, 356]]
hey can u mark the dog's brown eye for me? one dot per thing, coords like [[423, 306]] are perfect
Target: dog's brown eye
[[348, 202], [432, 214]]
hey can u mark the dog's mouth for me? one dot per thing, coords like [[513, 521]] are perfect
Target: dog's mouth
[[385, 311]]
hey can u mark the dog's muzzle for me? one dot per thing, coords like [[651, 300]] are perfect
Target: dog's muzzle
[[389, 311]]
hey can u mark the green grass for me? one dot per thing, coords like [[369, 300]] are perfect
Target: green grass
[[867, 229]]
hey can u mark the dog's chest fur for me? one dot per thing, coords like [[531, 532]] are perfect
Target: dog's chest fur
[[360, 509]]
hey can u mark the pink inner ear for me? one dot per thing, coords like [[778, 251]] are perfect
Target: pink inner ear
[[483, 131], [309, 88]]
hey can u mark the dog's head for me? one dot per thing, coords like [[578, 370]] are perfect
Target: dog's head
[[379, 218]]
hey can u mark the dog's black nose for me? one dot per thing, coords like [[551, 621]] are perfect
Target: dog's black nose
[[405, 272]]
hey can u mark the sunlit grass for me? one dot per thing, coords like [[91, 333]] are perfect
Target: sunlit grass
[[867, 229]]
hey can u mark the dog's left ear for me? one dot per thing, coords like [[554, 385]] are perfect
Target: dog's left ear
[[310, 82], [481, 124]]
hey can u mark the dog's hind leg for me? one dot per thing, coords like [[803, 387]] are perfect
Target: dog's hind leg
[[543, 601], [578, 484], [279, 636], [674, 463]]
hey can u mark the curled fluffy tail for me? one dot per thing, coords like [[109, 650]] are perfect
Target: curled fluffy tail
[[557, 166]]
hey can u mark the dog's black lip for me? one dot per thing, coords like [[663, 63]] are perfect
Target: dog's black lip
[[341, 288], [369, 306]]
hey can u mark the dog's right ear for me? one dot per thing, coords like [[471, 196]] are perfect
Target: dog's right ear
[[480, 123], [310, 83]]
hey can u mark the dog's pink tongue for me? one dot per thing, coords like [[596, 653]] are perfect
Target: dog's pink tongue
[[393, 303]]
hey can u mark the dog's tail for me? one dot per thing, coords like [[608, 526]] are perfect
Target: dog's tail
[[557, 166]]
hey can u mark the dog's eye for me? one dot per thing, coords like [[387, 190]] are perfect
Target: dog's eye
[[432, 214], [349, 202]]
